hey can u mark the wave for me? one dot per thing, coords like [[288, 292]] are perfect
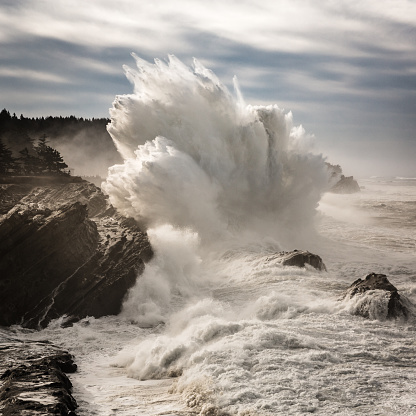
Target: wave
[[217, 184], [195, 156]]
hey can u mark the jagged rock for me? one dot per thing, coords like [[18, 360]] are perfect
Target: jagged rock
[[33, 379], [299, 258], [377, 298], [65, 251], [39, 250], [11, 194], [85, 192], [346, 185], [338, 183]]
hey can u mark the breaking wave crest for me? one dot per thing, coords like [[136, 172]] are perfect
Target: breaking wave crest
[[195, 156], [217, 184]]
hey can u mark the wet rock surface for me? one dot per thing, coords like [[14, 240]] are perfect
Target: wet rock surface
[[33, 379], [64, 250], [299, 258], [378, 298]]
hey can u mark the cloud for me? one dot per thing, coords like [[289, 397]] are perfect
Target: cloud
[[28, 74], [334, 62]]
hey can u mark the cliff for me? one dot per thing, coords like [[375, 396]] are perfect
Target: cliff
[[64, 250], [340, 184], [345, 185]]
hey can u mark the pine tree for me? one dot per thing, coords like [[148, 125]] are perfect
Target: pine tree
[[58, 162], [51, 160], [7, 161], [5, 120], [30, 165]]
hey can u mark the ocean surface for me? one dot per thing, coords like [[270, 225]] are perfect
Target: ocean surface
[[262, 339], [216, 325]]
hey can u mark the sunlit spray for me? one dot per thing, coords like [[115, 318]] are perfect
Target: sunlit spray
[[215, 324], [214, 181], [196, 157]]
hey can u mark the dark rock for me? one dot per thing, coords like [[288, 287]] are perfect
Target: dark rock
[[338, 183], [389, 305], [11, 194], [56, 259], [299, 258], [346, 185], [39, 250], [42, 180], [33, 379]]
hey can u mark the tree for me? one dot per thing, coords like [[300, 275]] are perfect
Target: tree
[[51, 160], [30, 164], [5, 121], [7, 161]]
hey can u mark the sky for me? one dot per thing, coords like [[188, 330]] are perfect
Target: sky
[[345, 68]]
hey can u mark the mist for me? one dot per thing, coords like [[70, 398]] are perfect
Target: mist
[[87, 153]]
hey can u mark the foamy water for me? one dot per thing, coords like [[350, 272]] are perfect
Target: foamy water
[[215, 325]]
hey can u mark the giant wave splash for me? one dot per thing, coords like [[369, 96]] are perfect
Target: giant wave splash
[[218, 185], [196, 156]]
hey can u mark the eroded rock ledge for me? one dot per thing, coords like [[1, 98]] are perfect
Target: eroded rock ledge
[[33, 379], [64, 250]]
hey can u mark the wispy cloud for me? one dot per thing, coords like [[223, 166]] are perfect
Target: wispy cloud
[[28, 74], [335, 62]]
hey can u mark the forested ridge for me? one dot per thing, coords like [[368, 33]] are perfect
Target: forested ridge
[[51, 126], [54, 145]]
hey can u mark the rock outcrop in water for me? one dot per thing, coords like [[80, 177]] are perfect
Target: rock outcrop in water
[[377, 298], [33, 379], [340, 184], [346, 185], [299, 258], [64, 250]]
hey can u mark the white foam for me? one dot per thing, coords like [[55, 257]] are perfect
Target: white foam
[[195, 157], [221, 187]]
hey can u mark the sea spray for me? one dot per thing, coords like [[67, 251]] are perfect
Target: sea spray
[[196, 157], [218, 185], [173, 274], [237, 333]]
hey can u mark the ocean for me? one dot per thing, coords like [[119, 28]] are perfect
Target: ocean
[[216, 325]]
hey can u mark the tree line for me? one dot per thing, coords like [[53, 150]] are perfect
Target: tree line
[[79, 140], [38, 159], [51, 126], [35, 158]]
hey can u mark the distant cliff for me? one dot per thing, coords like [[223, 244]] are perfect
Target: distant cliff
[[340, 184], [64, 250]]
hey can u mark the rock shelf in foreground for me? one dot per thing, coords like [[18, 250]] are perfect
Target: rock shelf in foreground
[[33, 380]]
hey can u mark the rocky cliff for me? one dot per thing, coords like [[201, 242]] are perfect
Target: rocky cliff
[[64, 250], [340, 184], [345, 185]]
